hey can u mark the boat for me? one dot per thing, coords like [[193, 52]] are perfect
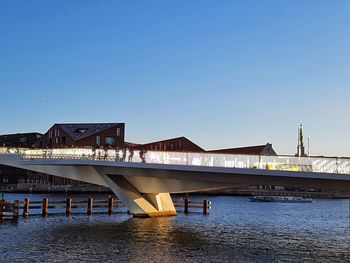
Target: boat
[[280, 199]]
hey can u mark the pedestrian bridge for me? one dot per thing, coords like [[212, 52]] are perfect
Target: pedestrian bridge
[[144, 181]]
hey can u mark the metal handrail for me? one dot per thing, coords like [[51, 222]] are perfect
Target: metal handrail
[[282, 163]]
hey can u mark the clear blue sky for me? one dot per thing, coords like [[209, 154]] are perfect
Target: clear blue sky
[[223, 73]]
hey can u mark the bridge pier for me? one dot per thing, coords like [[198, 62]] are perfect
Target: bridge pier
[[140, 205]]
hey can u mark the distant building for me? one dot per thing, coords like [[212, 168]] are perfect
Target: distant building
[[179, 144], [21, 140], [265, 149], [85, 135]]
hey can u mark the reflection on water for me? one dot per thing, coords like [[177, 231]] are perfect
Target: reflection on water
[[236, 231]]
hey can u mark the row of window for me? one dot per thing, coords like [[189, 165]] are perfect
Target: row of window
[[166, 146], [108, 140], [55, 132]]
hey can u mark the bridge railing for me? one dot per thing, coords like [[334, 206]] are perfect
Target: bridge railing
[[284, 163]]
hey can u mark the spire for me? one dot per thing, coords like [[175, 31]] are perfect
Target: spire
[[301, 147]]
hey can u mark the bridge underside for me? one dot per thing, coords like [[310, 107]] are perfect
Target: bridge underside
[[145, 188]]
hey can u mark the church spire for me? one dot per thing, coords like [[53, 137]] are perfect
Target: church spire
[[301, 147]]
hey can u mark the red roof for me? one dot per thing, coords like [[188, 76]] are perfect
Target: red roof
[[265, 149]]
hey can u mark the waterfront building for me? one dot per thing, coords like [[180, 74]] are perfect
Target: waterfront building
[[21, 140], [93, 135], [178, 144], [85, 135]]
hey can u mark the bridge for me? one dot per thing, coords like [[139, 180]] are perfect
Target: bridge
[[144, 181]]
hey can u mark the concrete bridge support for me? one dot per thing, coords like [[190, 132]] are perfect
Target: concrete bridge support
[[140, 205]]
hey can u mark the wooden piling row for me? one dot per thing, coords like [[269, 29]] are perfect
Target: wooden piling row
[[187, 204], [68, 204], [9, 207]]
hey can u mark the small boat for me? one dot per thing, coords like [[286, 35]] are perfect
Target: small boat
[[280, 199]]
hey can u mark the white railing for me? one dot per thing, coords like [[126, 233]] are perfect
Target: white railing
[[285, 163]]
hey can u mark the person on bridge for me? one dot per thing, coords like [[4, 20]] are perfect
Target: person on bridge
[[117, 157], [124, 154], [131, 154], [143, 155]]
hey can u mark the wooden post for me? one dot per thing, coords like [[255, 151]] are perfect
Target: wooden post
[[186, 206], [15, 209], [110, 205], [89, 207], [26, 207], [69, 206], [45, 207], [2, 209], [205, 207]]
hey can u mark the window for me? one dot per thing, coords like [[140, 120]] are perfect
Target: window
[[118, 132], [23, 139], [110, 141], [98, 140], [172, 145], [81, 130], [109, 125]]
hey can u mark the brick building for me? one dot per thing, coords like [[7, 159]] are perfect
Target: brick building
[[85, 135], [179, 144], [21, 140]]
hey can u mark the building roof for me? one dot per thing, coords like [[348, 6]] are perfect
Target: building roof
[[131, 144], [79, 131], [265, 149], [175, 139]]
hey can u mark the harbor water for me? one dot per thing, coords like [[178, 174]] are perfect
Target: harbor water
[[236, 230]]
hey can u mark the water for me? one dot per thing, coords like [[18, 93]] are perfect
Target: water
[[236, 231]]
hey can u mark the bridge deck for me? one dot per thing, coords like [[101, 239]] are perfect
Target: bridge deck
[[279, 163]]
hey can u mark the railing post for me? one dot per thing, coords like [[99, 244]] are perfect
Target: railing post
[[89, 207], [205, 207], [69, 206], [110, 205], [2, 209], [15, 209], [45, 207], [186, 206], [26, 207]]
